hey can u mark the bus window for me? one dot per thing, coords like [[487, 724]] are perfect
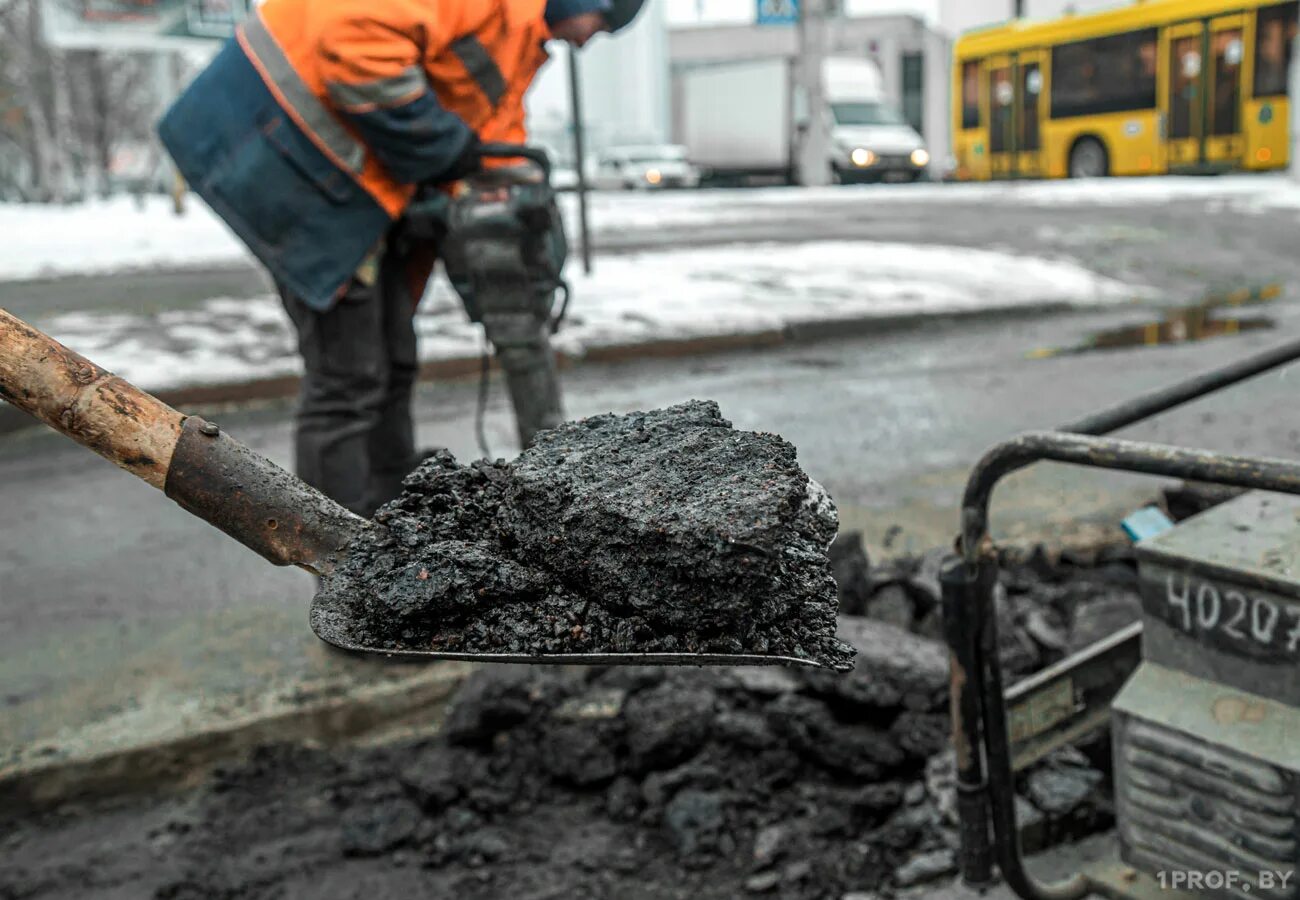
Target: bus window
[[1226, 100], [970, 95], [1110, 74], [1274, 35]]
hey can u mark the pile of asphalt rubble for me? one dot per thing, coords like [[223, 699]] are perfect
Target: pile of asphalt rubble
[[630, 782], [659, 532]]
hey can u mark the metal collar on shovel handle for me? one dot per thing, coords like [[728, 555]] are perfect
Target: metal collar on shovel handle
[[218, 479]]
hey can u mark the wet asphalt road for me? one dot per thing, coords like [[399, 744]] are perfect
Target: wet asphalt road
[[121, 616]]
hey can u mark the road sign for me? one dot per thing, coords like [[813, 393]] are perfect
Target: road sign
[[778, 12], [141, 24]]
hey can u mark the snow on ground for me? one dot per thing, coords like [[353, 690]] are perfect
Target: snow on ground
[[727, 290], [115, 235], [112, 235]]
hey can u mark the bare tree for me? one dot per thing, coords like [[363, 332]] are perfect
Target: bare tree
[[64, 114]]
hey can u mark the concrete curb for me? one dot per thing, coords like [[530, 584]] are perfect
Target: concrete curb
[[416, 701], [795, 332]]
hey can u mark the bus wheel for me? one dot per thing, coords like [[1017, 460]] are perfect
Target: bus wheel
[[1089, 159]]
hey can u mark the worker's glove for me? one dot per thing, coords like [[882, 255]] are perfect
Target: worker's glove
[[470, 162]]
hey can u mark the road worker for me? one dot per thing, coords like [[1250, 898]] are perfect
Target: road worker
[[309, 133]]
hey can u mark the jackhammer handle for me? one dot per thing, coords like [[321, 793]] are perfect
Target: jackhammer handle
[[509, 151], [209, 474]]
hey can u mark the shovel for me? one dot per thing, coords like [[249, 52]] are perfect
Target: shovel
[[213, 476]]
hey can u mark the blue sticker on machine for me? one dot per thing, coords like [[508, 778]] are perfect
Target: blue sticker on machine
[[1266, 114], [1146, 522]]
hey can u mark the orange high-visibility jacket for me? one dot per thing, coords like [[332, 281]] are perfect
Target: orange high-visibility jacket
[[309, 132]]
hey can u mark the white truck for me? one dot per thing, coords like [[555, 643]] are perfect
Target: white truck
[[742, 121]]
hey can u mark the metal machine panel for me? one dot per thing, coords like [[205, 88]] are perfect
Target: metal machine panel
[[1221, 596], [1207, 732], [1207, 779]]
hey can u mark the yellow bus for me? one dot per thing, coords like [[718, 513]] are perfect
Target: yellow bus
[[1159, 86]]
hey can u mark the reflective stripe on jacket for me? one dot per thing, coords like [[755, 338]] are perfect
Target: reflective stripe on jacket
[[309, 132]]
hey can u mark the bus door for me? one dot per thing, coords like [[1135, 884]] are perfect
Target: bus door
[[1031, 109], [1203, 99], [1184, 99], [1002, 116], [1016, 110], [1224, 142]]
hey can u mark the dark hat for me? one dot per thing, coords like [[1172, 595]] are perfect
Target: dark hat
[[620, 13], [559, 10]]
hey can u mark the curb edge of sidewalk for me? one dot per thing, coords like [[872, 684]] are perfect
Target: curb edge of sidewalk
[[808, 331], [418, 700]]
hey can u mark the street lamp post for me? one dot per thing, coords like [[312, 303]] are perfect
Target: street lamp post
[[580, 157], [813, 161]]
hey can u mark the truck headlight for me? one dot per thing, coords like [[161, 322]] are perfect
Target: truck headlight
[[862, 157], [920, 157], [654, 176]]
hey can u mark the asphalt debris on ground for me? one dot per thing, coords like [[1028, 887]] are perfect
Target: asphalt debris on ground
[[666, 531], [1050, 602], [547, 782]]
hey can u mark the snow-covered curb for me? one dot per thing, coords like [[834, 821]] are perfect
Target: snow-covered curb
[[635, 299]]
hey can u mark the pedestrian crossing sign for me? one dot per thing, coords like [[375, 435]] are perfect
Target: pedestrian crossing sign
[[778, 12]]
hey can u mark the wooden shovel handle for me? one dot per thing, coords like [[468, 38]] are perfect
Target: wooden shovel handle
[[204, 470], [90, 405]]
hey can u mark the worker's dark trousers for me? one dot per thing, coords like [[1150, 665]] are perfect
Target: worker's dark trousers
[[355, 440]]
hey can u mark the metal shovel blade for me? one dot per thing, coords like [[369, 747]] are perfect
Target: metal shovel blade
[[336, 627]]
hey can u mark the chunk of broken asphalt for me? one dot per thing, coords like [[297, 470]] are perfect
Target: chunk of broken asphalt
[[665, 531]]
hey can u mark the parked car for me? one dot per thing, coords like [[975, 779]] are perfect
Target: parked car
[[873, 142], [649, 167]]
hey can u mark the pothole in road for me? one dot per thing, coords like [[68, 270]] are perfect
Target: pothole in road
[[1216, 316]]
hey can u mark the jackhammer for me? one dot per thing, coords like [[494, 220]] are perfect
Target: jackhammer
[[501, 240]]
